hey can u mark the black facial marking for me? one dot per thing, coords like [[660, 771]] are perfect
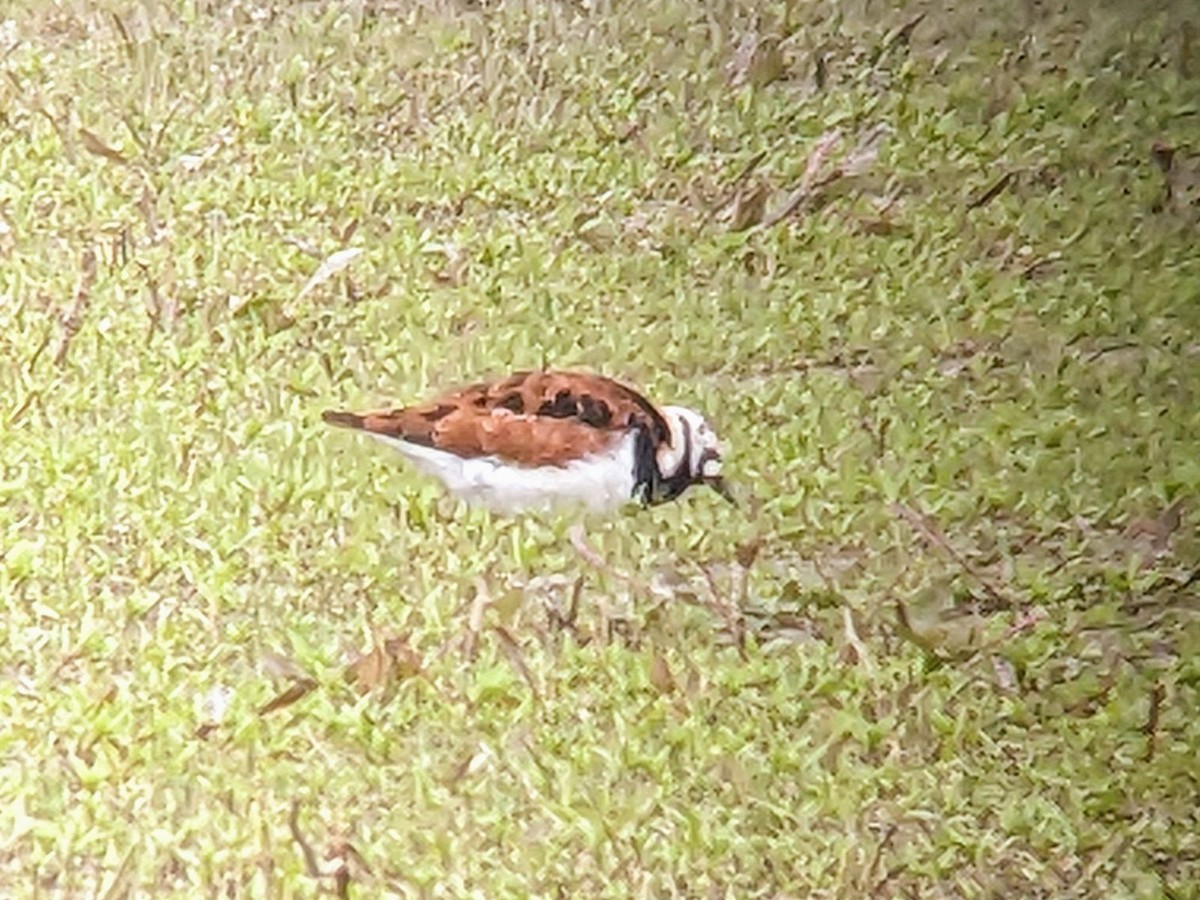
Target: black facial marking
[[594, 412], [645, 468], [563, 406], [439, 412], [513, 402], [650, 486]]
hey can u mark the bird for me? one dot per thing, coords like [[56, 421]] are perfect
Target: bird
[[551, 439]]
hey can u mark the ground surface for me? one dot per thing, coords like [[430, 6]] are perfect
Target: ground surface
[[936, 281]]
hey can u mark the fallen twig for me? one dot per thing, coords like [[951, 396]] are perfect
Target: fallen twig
[[934, 535]]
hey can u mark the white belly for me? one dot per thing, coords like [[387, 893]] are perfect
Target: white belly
[[600, 482]]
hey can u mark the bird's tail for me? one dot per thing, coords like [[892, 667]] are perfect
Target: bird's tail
[[343, 419]]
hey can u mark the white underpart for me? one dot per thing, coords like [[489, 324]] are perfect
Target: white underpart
[[600, 481]]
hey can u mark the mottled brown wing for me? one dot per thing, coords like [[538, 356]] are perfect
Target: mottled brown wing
[[531, 418]]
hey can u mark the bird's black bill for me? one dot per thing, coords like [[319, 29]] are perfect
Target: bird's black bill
[[719, 485]]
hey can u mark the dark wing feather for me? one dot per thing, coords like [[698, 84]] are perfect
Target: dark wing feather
[[530, 418]]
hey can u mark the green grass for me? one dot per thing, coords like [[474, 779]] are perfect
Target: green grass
[[948, 645]]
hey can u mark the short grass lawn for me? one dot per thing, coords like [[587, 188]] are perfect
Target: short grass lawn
[[932, 270]]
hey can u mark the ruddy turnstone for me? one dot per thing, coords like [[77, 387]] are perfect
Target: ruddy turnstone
[[551, 438]]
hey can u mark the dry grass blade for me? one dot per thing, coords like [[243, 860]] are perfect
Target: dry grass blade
[[910, 634], [126, 39], [279, 666], [95, 145], [348, 231], [161, 131], [727, 610], [749, 206], [579, 541], [392, 660], [306, 850], [330, 266], [858, 161], [992, 192], [215, 707], [8, 240], [1151, 727], [472, 764], [748, 552], [516, 656], [903, 34], [23, 407], [1005, 674], [308, 248], [1150, 536], [809, 181], [583, 548], [568, 620], [821, 151], [369, 670], [194, 162], [295, 691], [735, 189], [156, 310], [865, 153], [660, 674], [1163, 155], [479, 606], [120, 882], [757, 61], [876, 858], [858, 652], [73, 320], [456, 265], [39, 349], [62, 130]]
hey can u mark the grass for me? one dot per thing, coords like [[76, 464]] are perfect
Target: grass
[[948, 645]]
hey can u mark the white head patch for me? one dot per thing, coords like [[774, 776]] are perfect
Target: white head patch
[[694, 446]]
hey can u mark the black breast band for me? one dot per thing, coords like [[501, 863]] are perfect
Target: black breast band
[[650, 486]]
